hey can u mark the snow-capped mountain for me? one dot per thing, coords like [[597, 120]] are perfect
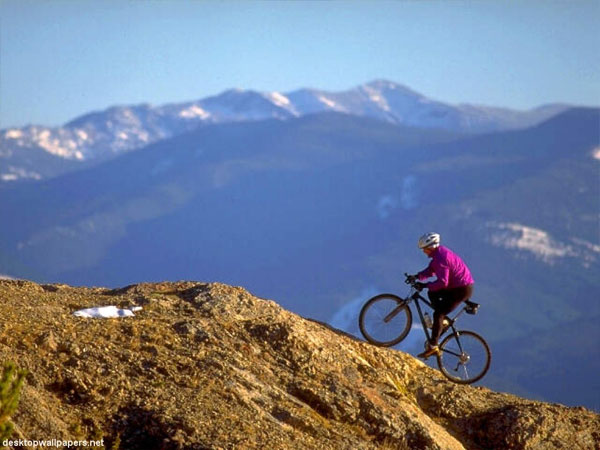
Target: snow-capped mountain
[[101, 135]]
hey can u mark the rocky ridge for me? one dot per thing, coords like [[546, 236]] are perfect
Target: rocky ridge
[[212, 366]]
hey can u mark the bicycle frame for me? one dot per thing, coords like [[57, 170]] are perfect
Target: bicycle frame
[[416, 296]]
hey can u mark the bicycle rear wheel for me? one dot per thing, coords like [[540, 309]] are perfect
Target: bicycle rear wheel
[[385, 320], [464, 357]]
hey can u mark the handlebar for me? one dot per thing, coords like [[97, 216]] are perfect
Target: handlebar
[[412, 281]]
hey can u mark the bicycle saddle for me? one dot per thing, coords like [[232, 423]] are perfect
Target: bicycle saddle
[[471, 307]]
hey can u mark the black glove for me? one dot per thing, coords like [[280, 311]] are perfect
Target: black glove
[[411, 278], [420, 286]]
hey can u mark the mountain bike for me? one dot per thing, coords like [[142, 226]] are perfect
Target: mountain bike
[[386, 319]]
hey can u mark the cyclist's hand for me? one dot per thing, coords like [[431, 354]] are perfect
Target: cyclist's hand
[[420, 286]]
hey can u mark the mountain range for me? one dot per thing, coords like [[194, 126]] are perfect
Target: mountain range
[[37, 152], [323, 210]]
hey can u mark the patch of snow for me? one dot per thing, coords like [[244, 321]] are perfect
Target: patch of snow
[[375, 97], [279, 99], [327, 101], [541, 244], [106, 312], [143, 136], [588, 245], [588, 252], [533, 240], [127, 114], [194, 112], [44, 134], [58, 143], [346, 318], [16, 173], [385, 206], [408, 198], [82, 135], [13, 134]]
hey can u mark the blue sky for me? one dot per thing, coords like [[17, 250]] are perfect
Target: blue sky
[[60, 59]]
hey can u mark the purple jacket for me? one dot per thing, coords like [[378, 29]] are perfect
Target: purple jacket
[[450, 270]]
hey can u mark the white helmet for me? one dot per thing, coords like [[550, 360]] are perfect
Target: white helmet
[[429, 240]]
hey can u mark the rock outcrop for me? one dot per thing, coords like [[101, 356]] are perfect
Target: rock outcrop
[[211, 366]]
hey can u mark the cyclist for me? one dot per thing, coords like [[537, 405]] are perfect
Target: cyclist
[[453, 284]]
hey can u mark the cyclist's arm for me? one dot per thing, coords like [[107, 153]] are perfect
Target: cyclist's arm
[[443, 278], [427, 273]]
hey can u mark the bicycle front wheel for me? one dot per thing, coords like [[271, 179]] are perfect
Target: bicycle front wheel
[[464, 357], [385, 320]]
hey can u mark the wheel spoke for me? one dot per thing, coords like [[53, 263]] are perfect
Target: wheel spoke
[[465, 357], [464, 367], [451, 352], [385, 320]]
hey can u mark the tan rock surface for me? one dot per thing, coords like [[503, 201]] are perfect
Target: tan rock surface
[[211, 366]]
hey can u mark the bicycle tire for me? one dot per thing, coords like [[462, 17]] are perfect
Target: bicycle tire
[[375, 329], [475, 353]]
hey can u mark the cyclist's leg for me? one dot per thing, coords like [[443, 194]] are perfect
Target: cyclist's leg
[[439, 300], [446, 306], [444, 302]]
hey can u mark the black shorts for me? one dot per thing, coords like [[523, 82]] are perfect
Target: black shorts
[[444, 301]]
